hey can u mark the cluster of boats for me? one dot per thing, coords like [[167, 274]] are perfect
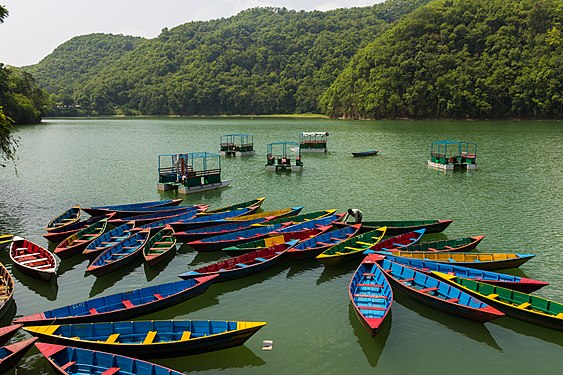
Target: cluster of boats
[[444, 274]]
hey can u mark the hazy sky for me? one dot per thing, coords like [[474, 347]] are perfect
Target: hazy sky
[[34, 28]]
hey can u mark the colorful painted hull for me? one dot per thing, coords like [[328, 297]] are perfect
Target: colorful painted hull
[[232, 239], [395, 227], [6, 333], [150, 339], [215, 230], [157, 225], [352, 248], [107, 240], [6, 290], [311, 224], [521, 284], [243, 265], [312, 247], [254, 202], [301, 218], [435, 293], [371, 296], [76, 361], [142, 219], [364, 153], [32, 259], [119, 255], [11, 354], [160, 246], [123, 305], [482, 261], [207, 220], [270, 215], [523, 306], [70, 216], [130, 208], [446, 246], [77, 242], [57, 235]]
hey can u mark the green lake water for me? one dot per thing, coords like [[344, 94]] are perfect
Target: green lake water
[[513, 198]]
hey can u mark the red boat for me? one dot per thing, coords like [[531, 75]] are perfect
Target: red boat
[[32, 259], [11, 354]]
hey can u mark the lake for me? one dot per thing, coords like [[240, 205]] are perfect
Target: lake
[[513, 198]]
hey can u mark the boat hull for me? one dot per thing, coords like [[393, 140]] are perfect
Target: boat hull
[[433, 226], [17, 350]]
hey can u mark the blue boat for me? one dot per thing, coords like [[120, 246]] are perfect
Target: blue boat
[[433, 292], [233, 238], [108, 240], [68, 217], [11, 354], [142, 219], [315, 245], [123, 305], [371, 295], [207, 220], [76, 361], [157, 225], [215, 230], [521, 284], [311, 224], [150, 339], [59, 234], [125, 209], [120, 254]]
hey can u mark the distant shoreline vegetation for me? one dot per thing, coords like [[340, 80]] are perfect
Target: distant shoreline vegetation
[[401, 59]]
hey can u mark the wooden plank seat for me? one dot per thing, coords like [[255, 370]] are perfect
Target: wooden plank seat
[[560, 315], [399, 245], [157, 250], [369, 296], [324, 243], [108, 243], [185, 336], [452, 300], [432, 249], [407, 280], [150, 337], [129, 247], [372, 308], [425, 290], [353, 248], [127, 303], [119, 237], [111, 371], [93, 311], [524, 305], [493, 296], [112, 338], [24, 255], [67, 365], [90, 234], [163, 243], [451, 260], [364, 243], [43, 266], [371, 285], [158, 296], [368, 274], [33, 260], [449, 247], [241, 265], [260, 259]]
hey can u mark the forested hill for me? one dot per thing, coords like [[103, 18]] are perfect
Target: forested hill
[[457, 59], [261, 61]]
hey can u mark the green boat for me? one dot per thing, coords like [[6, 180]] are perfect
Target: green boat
[[254, 202], [523, 306], [299, 218], [5, 239], [352, 248], [395, 227], [279, 239], [454, 245]]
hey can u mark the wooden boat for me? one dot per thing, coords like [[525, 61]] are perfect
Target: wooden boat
[[77, 242], [232, 238], [433, 292], [77, 361], [157, 225], [352, 248], [120, 254], [274, 240], [523, 306], [398, 241], [482, 261], [7, 332], [11, 354], [395, 227], [302, 217], [6, 289], [163, 210], [313, 246], [130, 207], [215, 230], [70, 216], [521, 284], [371, 295], [270, 215], [446, 246], [32, 259], [150, 339], [243, 265], [207, 220], [5, 240], [143, 219], [311, 224], [254, 202], [362, 154], [159, 246], [59, 234], [123, 305], [108, 239]]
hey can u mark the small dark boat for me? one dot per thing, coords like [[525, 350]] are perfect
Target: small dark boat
[[160, 246], [371, 295], [446, 246], [142, 219], [123, 305], [301, 218], [5, 240], [352, 248], [206, 220], [243, 265], [311, 224], [77, 242], [313, 246], [362, 154], [395, 227], [7, 332], [76, 361], [6, 290], [59, 234], [107, 240], [70, 216], [120, 254], [523, 306], [254, 202], [521, 284], [435, 293], [11, 354], [233, 238], [130, 207], [150, 339], [32, 259], [215, 230]]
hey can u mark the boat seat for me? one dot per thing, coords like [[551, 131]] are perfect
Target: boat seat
[[129, 247], [372, 308], [89, 234], [67, 365], [261, 259], [24, 255], [162, 243], [369, 296], [452, 300], [33, 260], [150, 337], [493, 296], [241, 265], [353, 248], [157, 250], [43, 266], [432, 249], [399, 245], [449, 247], [93, 311], [158, 296], [112, 338], [371, 285], [524, 305], [364, 243], [324, 243], [368, 274], [127, 303], [425, 290], [451, 260], [185, 336], [560, 316], [407, 280], [111, 371]]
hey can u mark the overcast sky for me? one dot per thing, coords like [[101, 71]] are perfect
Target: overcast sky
[[34, 28]]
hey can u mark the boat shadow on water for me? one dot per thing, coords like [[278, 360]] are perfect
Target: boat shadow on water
[[299, 267], [46, 289], [101, 283], [473, 330], [9, 314], [371, 346], [532, 330], [70, 264], [337, 271]]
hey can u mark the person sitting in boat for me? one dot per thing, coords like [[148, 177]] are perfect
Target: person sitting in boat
[[356, 214]]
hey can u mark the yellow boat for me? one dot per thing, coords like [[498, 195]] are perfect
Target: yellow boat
[[352, 248], [291, 211]]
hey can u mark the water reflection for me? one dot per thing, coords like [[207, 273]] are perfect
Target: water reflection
[[9, 313], [473, 330], [336, 271], [207, 257], [371, 346], [112, 278], [47, 289], [68, 264], [532, 330], [153, 271], [302, 266]]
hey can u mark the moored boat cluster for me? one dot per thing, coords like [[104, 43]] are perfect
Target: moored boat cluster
[[392, 257]]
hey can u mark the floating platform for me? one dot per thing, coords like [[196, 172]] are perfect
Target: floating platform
[[313, 142], [280, 156], [453, 155], [237, 145]]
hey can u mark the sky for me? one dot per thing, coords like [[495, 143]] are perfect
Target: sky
[[34, 28]]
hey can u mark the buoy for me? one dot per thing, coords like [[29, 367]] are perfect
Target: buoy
[[267, 344]]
